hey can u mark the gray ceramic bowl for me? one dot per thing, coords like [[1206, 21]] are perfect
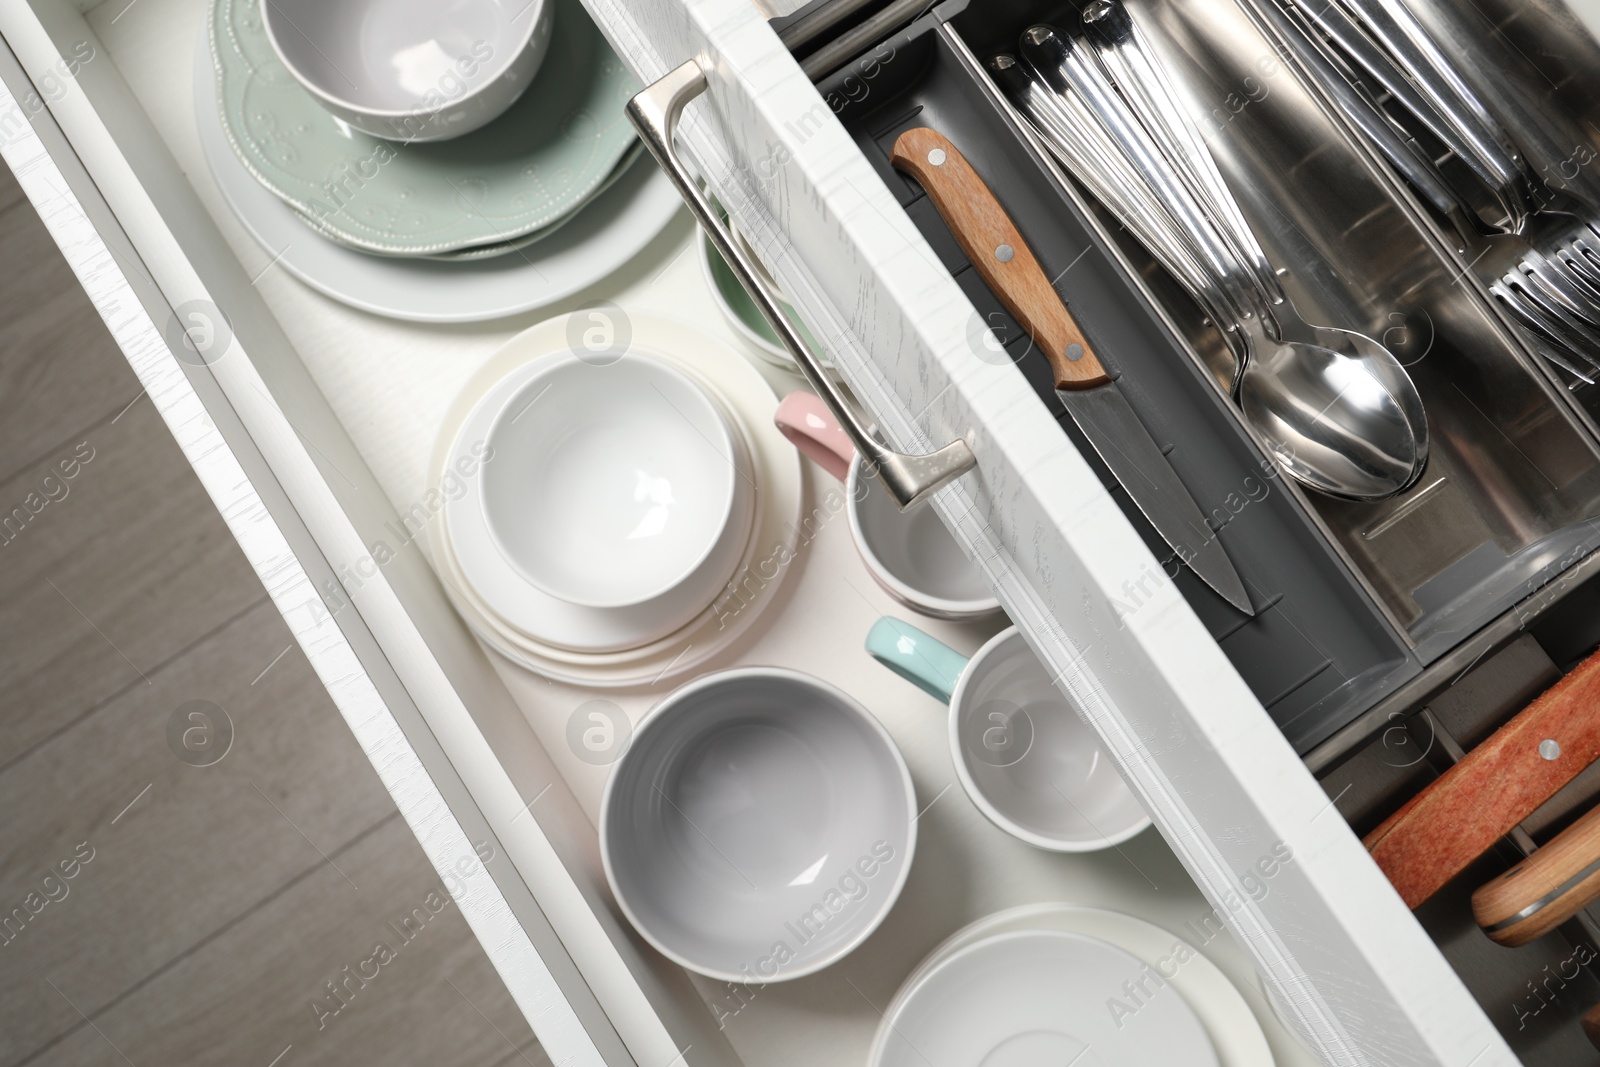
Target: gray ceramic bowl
[[759, 826], [411, 70]]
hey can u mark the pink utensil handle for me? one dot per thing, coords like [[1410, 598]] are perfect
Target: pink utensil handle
[[805, 420]]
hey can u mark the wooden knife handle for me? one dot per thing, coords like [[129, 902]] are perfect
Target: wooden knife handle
[[1003, 259], [1497, 785], [1591, 1025], [1544, 890]]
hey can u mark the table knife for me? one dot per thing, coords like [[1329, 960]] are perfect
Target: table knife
[[1003, 259]]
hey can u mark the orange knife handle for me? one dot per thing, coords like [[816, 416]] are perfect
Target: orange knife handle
[[1002, 258], [1495, 786]]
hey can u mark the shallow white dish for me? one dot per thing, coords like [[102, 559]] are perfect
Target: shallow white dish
[[1029, 998], [411, 70], [1235, 1033], [761, 571], [605, 234], [759, 826], [502, 522]]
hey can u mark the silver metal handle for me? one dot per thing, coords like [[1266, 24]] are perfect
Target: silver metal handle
[[655, 112], [1134, 68], [1478, 137], [1294, 26]]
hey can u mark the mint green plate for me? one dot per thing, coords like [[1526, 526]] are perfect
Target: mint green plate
[[539, 162]]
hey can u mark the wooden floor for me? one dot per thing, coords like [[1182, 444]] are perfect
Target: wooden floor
[[154, 911]]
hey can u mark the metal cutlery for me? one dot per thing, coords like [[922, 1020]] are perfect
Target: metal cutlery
[[1004, 260], [1542, 259], [1335, 407]]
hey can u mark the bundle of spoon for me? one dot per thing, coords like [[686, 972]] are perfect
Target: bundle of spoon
[[1335, 407]]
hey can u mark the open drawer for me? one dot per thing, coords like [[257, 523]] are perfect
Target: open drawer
[[312, 431]]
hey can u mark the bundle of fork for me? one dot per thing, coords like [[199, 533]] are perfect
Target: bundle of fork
[[1540, 258]]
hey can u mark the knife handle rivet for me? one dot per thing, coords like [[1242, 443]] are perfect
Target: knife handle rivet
[[1074, 351], [936, 157], [1550, 748], [1004, 253]]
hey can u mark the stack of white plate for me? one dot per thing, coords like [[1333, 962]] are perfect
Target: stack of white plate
[[1062, 984], [538, 203], [614, 517]]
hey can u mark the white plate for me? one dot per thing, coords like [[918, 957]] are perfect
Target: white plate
[[1235, 1033], [1025, 998], [509, 593], [603, 236], [761, 571]]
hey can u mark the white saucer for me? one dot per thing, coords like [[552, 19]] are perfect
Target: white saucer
[[761, 570], [1235, 1033], [601, 237], [1024, 998]]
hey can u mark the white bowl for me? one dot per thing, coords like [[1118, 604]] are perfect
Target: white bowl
[[615, 485], [411, 70], [759, 826]]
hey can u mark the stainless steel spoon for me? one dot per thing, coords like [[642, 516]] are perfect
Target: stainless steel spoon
[[1335, 407]]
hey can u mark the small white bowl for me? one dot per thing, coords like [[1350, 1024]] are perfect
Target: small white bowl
[[615, 485], [759, 826], [411, 70]]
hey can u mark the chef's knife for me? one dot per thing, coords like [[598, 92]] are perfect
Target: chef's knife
[[991, 241]]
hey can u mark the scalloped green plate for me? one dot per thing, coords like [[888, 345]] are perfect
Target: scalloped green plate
[[542, 160]]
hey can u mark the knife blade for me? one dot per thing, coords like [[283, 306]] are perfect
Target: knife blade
[[1005, 262]]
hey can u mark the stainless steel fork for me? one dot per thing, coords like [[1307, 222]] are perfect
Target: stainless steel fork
[[1542, 260]]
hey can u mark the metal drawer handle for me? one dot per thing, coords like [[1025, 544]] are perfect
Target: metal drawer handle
[[655, 113]]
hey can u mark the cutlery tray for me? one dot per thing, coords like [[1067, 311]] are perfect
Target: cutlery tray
[[1354, 599]]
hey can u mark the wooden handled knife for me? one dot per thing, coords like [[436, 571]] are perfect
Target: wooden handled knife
[[1003, 259], [1544, 890], [1495, 786]]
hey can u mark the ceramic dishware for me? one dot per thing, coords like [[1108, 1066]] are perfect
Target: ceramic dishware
[[616, 484], [759, 826], [542, 160], [1024, 756], [411, 70], [607, 232], [613, 502], [1235, 1033], [737, 307], [577, 645], [1025, 998], [909, 553], [736, 304]]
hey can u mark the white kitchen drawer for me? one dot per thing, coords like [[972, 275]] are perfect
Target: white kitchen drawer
[[313, 431]]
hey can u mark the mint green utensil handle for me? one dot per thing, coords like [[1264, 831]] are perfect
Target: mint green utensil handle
[[927, 663]]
